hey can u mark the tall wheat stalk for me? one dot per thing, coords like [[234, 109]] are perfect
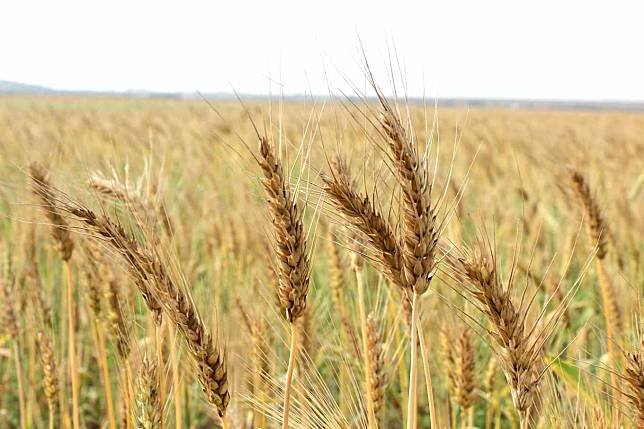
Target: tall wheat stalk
[[599, 232], [371, 414], [420, 231], [293, 259]]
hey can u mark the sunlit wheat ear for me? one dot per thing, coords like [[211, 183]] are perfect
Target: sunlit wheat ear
[[447, 349], [147, 209], [465, 369], [8, 317], [597, 226], [261, 359], [113, 188], [59, 229], [115, 315]]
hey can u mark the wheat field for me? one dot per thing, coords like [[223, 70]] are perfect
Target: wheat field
[[325, 264]]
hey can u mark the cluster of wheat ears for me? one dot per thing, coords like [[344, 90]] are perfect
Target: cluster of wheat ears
[[412, 327]]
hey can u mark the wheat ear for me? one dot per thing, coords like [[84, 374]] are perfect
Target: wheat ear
[[50, 375], [376, 356], [519, 352], [148, 405]]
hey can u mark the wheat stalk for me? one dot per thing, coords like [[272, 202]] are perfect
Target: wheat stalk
[[293, 259]]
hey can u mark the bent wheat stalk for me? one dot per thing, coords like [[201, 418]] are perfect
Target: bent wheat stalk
[[149, 269]]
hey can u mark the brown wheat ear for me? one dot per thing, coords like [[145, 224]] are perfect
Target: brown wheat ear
[[421, 232], [294, 265], [59, 229], [633, 374], [363, 216], [518, 350], [597, 226], [117, 324]]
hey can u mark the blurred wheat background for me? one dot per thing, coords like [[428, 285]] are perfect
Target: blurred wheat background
[[531, 317]]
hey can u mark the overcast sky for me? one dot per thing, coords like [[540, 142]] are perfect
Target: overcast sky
[[566, 49]]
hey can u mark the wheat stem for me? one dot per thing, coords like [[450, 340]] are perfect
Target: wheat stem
[[413, 366], [176, 381], [158, 332], [371, 416], [100, 340], [428, 378], [289, 376], [21, 390], [73, 363], [224, 423]]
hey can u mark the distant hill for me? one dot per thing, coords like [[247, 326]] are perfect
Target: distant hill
[[8, 87], [16, 88]]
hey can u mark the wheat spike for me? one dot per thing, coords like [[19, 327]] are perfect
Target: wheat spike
[[376, 355], [519, 352], [59, 229], [148, 406], [420, 229], [294, 265], [597, 226], [465, 370], [50, 371]]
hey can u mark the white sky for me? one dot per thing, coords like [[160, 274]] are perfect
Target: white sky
[[566, 49]]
